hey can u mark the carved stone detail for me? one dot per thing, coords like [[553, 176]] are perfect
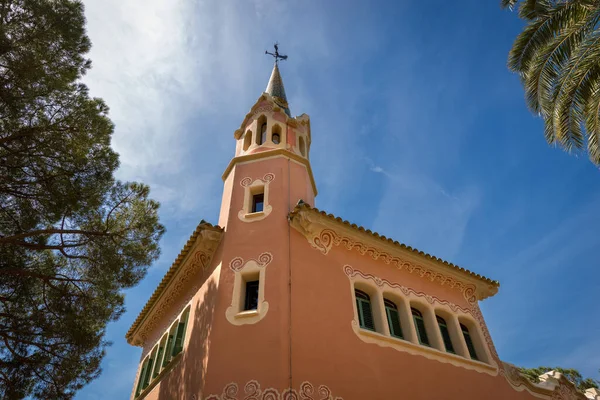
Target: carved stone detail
[[253, 391], [324, 239]]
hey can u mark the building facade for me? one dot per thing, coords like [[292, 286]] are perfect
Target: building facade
[[284, 301]]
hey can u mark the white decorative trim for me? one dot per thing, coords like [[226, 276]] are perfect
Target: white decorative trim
[[252, 187], [244, 269], [410, 345], [253, 391]]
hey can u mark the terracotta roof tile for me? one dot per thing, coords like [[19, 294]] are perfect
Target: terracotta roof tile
[[301, 205], [203, 225]]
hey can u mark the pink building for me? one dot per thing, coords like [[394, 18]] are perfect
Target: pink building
[[284, 301]]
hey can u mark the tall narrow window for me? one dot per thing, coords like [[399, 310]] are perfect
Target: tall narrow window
[[180, 335], [258, 202], [420, 326], [247, 140], [469, 341], [261, 130], [251, 298], [445, 334], [393, 318], [363, 307], [276, 136], [159, 356], [263, 133], [148, 373], [169, 348], [140, 385], [302, 146]]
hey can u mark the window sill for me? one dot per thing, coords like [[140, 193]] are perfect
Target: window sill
[[246, 314], [174, 361], [256, 214], [369, 336]]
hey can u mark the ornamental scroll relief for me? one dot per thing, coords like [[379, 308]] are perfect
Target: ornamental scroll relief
[[251, 269], [252, 187], [253, 391], [323, 239], [150, 330]]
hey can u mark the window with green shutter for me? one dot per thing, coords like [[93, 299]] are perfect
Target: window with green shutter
[[159, 356], [393, 318], [469, 341], [420, 326], [140, 385], [363, 307], [169, 347], [445, 334], [180, 335], [148, 372]]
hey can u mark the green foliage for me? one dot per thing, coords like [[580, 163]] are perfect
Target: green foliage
[[533, 374], [71, 236], [557, 57]]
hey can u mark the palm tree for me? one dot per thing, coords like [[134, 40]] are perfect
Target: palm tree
[[557, 57]]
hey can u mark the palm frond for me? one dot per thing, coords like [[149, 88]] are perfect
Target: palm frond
[[540, 80], [540, 33], [574, 89], [592, 123]]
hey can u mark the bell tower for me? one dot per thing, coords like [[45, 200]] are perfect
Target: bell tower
[[270, 169]]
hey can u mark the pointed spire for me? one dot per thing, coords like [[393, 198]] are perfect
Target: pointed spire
[[277, 91]]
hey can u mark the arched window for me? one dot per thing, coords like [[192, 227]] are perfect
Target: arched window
[[445, 334], [263, 133], [420, 326], [247, 140], [393, 318], [261, 126], [302, 146], [469, 341], [276, 136], [363, 307]]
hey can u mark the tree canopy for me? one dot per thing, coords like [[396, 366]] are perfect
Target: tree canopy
[[72, 237], [557, 56], [533, 374]]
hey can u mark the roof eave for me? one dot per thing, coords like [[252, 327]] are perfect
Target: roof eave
[[204, 239]]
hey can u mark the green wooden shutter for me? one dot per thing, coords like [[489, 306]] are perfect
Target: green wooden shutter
[[141, 378], [180, 336], [168, 349], [421, 331], [361, 323], [157, 362], [446, 336], [148, 372], [394, 322], [365, 314], [469, 342]]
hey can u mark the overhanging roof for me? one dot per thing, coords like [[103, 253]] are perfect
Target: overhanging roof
[[487, 287], [205, 236]]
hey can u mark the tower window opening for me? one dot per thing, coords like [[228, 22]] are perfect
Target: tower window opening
[[420, 326], [247, 140], [393, 318], [263, 133], [445, 334], [363, 307], [258, 202], [469, 342], [261, 130], [302, 146], [251, 297], [276, 136]]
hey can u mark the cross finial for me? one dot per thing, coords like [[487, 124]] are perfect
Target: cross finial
[[276, 55]]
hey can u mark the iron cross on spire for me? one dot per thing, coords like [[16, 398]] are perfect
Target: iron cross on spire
[[276, 55]]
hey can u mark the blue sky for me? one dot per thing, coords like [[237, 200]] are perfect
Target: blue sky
[[419, 132]]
